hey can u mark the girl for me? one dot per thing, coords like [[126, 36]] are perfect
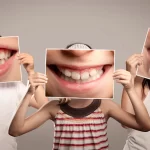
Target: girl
[[82, 124], [136, 139]]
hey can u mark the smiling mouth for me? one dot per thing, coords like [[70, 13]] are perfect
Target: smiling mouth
[[5, 54], [78, 75]]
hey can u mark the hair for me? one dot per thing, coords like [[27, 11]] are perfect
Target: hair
[[0, 36], [146, 82], [76, 44]]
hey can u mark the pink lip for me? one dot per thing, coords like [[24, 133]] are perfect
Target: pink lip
[[80, 87], [5, 67], [80, 68]]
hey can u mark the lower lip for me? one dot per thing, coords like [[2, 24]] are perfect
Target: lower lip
[[80, 87], [4, 68]]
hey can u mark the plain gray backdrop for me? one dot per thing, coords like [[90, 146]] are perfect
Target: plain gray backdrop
[[117, 24]]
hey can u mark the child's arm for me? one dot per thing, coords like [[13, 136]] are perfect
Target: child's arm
[[21, 125], [141, 119], [39, 98], [36, 81], [131, 66]]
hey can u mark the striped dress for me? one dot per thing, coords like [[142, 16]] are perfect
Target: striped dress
[[80, 129]]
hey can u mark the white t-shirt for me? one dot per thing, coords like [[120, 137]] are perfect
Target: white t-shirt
[[138, 140], [11, 95]]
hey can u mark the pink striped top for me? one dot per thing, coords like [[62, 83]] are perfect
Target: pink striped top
[[87, 133]]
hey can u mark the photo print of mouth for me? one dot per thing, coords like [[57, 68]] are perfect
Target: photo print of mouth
[[10, 69], [80, 73], [144, 69]]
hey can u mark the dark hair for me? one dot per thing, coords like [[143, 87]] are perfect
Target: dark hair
[[0, 36], [146, 82], [68, 46]]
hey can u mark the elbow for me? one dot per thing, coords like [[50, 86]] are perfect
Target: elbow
[[14, 133], [146, 129], [124, 126]]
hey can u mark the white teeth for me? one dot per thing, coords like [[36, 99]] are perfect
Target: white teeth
[[8, 54], [84, 76], [2, 61], [67, 73], [97, 76], [94, 78], [5, 54], [75, 76], [2, 55], [100, 72], [81, 77], [93, 72]]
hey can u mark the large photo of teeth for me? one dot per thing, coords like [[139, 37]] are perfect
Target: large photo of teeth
[[144, 67], [9, 64], [75, 75], [78, 72]]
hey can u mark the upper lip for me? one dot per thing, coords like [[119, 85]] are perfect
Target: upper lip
[[4, 47], [72, 67]]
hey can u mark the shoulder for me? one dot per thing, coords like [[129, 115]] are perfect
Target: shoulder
[[108, 105], [53, 107]]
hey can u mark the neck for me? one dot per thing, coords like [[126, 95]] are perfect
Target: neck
[[80, 103]]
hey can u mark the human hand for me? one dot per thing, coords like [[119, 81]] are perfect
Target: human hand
[[64, 100], [36, 80], [125, 78], [133, 62], [27, 61]]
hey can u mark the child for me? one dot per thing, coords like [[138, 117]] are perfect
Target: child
[[136, 139], [11, 94], [82, 124]]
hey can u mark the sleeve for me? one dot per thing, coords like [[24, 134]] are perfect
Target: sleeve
[[21, 91]]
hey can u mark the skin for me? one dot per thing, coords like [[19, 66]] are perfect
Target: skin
[[80, 58], [14, 73], [27, 61], [21, 125], [144, 70], [131, 65]]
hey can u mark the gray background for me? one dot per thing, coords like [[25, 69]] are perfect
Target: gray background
[[117, 24]]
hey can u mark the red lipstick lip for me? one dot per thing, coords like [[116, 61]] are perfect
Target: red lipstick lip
[[6, 47], [79, 87], [4, 68]]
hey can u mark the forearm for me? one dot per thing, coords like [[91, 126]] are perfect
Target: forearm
[[19, 119], [40, 97], [141, 114]]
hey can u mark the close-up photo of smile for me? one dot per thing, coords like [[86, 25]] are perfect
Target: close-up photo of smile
[[9, 67], [73, 73], [144, 68]]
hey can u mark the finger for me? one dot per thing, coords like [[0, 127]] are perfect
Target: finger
[[21, 56], [37, 84], [39, 81], [122, 77], [121, 71], [26, 61], [40, 74], [133, 57], [38, 78], [124, 82]]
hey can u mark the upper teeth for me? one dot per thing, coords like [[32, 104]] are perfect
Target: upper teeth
[[5, 54], [91, 73]]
